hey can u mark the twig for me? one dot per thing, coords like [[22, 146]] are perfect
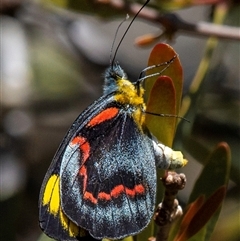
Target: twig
[[169, 209], [172, 23]]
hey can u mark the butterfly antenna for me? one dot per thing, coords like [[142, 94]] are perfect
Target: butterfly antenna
[[120, 42], [115, 36]]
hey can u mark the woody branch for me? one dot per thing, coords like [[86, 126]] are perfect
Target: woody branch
[[169, 209], [172, 23]]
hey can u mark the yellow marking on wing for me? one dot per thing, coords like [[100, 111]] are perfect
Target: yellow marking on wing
[[51, 196], [68, 225]]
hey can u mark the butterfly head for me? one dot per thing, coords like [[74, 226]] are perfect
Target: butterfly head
[[112, 76]]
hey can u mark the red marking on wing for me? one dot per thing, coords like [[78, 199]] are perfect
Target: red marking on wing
[[90, 197], [138, 189], [85, 151], [103, 116], [84, 147], [116, 191]]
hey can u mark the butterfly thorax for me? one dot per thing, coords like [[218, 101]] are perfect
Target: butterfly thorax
[[125, 92]]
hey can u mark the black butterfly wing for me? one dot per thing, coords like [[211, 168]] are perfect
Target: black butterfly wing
[[108, 179], [102, 177]]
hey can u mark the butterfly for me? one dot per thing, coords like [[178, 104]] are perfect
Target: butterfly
[[103, 176], [102, 180]]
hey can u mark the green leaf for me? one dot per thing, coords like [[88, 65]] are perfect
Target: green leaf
[[165, 97], [163, 53], [200, 217], [162, 100], [214, 175], [197, 216], [180, 225], [205, 213]]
